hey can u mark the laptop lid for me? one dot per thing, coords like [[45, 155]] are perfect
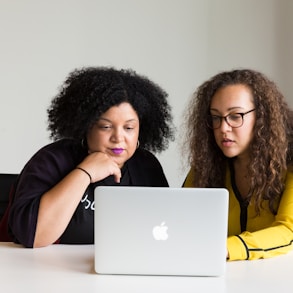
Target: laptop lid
[[160, 231]]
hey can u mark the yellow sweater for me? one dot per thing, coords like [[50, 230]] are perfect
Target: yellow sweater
[[266, 234]]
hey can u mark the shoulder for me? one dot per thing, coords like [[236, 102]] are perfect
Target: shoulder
[[64, 148], [54, 160], [59, 145]]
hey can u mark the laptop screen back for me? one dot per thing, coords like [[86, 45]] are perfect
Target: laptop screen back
[[160, 231]]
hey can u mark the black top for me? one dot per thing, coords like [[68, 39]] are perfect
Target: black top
[[48, 166]]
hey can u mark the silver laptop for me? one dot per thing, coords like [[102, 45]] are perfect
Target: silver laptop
[[160, 231]]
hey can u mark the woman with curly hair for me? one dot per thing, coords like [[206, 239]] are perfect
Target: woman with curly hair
[[105, 123], [239, 136]]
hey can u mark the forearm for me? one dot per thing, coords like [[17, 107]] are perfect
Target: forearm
[[57, 207], [264, 243]]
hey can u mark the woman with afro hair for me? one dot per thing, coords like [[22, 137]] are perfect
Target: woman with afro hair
[[239, 136], [105, 123]]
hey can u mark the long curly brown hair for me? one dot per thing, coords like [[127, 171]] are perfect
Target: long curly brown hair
[[271, 150]]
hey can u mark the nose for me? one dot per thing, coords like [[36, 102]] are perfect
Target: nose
[[225, 126], [117, 135]]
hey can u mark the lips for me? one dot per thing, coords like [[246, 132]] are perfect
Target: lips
[[117, 151], [227, 142]]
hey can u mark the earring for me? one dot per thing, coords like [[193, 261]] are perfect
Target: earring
[[83, 144]]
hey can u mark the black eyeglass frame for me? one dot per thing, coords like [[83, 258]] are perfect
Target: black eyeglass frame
[[210, 125]]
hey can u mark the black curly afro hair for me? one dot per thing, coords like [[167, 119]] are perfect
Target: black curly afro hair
[[90, 91]]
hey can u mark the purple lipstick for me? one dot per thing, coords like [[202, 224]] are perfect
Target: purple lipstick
[[117, 151]]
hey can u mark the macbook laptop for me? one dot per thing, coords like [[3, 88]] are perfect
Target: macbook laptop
[[160, 231]]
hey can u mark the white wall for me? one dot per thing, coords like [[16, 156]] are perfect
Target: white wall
[[252, 33], [177, 43], [285, 48]]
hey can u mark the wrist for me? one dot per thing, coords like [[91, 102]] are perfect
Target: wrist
[[85, 172]]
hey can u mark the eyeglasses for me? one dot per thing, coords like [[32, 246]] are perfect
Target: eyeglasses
[[234, 120]]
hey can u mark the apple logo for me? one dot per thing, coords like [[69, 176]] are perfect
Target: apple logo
[[160, 232]]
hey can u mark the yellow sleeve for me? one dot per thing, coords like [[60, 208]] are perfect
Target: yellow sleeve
[[272, 241]]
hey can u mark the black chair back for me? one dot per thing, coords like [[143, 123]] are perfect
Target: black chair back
[[6, 182]]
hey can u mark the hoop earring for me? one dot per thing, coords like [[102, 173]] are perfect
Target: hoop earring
[[83, 144], [137, 145]]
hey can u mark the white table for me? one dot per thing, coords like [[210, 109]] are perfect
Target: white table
[[70, 268]]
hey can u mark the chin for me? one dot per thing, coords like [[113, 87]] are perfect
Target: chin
[[229, 155], [121, 163]]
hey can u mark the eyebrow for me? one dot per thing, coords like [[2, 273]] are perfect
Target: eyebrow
[[229, 109], [110, 121]]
